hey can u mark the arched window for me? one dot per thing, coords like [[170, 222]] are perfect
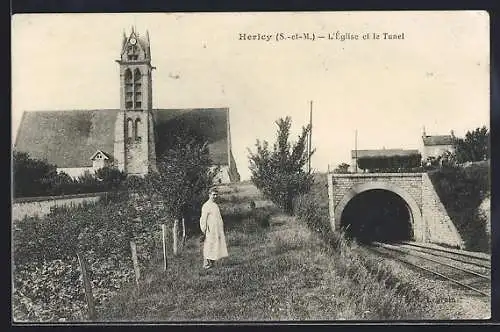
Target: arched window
[[137, 75], [137, 88], [137, 127], [130, 129], [132, 52], [129, 89]]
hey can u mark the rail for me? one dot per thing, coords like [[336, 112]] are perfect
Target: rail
[[380, 247]]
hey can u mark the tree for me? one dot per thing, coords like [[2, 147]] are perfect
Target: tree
[[342, 168], [31, 176], [475, 146], [279, 172], [185, 175]]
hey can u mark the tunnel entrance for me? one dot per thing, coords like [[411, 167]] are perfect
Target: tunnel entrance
[[377, 215]]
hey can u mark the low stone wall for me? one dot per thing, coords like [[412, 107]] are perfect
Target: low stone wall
[[439, 227], [40, 206]]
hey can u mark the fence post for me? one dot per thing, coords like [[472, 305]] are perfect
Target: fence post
[[135, 261], [164, 240], [331, 206], [87, 286], [183, 232], [175, 235]]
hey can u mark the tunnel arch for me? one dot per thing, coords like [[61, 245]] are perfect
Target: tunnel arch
[[414, 210]]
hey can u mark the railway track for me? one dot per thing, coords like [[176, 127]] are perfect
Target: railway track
[[469, 270]]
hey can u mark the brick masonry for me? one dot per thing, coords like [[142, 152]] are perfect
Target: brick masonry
[[430, 221], [439, 227]]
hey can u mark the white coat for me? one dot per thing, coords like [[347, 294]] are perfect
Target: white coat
[[212, 225]]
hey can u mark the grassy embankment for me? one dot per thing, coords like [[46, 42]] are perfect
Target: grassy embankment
[[278, 269], [465, 193]]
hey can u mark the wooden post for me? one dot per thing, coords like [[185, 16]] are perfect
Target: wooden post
[[331, 206], [183, 232], [87, 286], [135, 261], [164, 240], [175, 235]]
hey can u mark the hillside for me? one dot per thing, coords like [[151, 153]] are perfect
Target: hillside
[[465, 193]]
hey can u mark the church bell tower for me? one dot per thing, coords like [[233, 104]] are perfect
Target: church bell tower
[[134, 149]]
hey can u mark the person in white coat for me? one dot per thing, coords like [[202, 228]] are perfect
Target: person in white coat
[[212, 226]]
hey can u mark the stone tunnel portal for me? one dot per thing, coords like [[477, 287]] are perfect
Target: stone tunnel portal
[[377, 215]]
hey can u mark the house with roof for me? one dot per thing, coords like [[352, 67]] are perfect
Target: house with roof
[[127, 137], [436, 145]]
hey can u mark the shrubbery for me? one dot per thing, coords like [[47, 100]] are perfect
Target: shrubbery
[[461, 190], [32, 177], [47, 282]]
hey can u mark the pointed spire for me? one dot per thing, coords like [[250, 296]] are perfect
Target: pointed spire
[[124, 39], [149, 43]]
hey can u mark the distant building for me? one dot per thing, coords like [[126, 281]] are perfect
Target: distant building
[[126, 138], [436, 145], [377, 153]]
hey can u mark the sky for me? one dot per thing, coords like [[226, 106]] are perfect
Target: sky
[[436, 76]]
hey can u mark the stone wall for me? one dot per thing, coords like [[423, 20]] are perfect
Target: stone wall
[[343, 187], [439, 227], [41, 206], [75, 172], [410, 182], [431, 222]]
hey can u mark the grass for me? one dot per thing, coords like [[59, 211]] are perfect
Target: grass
[[281, 272]]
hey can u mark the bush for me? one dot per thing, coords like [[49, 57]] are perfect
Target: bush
[[48, 291], [31, 176], [111, 177], [46, 271], [461, 190]]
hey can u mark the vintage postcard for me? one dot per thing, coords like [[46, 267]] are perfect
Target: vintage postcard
[[251, 167]]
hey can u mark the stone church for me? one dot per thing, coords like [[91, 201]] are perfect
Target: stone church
[[127, 138]]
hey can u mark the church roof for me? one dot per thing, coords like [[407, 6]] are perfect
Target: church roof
[[437, 140], [69, 138], [210, 123]]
